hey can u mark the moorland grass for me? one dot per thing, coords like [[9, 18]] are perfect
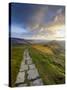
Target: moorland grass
[[50, 73], [50, 66], [16, 58]]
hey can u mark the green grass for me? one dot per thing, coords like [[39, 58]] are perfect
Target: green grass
[[50, 71], [16, 58], [50, 67]]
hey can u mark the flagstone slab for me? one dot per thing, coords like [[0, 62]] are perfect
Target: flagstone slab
[[37, 82], [29, 62], [23, 67], [20, 77], [32, 66], [32, 74], [22, 85]]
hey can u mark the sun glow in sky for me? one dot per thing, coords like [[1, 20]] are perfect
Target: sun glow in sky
[[31, 21]]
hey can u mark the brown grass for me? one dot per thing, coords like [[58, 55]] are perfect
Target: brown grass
[[44, 49]]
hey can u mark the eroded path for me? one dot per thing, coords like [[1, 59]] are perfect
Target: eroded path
[[28, 74]]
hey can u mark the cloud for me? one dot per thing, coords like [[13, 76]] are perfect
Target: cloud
[[59, 18], [40, 14], [37, 18], [37, 29], [57, 25]]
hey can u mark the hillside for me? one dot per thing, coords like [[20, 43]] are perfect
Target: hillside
[[56, 46], [18, 41]]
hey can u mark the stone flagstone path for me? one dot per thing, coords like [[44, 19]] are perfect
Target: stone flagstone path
[[28, 74]]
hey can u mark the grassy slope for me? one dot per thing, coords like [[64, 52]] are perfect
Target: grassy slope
[[50, 71], [16, 58], [50, 67]]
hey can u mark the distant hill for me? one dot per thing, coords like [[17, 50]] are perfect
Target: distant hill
[[57, 43], [38, 41], [56, 46], [18, 41], [49, 43]]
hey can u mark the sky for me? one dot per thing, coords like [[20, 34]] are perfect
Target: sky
[[34, 21]]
